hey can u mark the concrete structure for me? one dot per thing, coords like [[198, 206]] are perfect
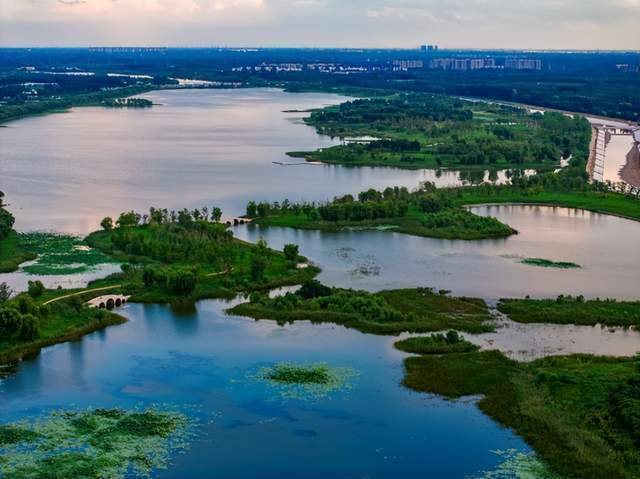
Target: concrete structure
[[108, 301]]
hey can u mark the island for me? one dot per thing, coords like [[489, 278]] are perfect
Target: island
[[426, 211], [417, 130]]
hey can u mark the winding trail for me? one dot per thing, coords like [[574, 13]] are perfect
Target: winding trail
[[78, 293]]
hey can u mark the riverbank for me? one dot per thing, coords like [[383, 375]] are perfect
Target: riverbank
[[575, 411], [13, 253], [15, 112], [59, 323], [598, 202], [390, 312]]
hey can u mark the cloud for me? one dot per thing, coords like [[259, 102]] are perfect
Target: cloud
[[379, 23]]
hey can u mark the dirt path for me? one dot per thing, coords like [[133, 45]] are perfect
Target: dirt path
[[78, 293]]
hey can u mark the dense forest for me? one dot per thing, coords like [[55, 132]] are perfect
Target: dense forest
[[587, 82], [419, 130], [423, 212]]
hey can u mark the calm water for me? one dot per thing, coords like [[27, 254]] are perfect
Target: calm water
[[605, 247], [207, 147], [198, 147], [375, 429]]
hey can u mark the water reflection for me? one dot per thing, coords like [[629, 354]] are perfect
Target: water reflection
[[376, 428], [604, 246], [197, 147]]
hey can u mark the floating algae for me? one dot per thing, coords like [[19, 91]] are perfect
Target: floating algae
[[547, 263], [60, 254], [518, 465], [96, 443], [313, 381]]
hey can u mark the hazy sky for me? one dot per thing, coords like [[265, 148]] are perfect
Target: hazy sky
[[559, 24]]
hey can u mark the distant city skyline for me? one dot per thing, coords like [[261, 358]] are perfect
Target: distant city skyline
[[541, 24]]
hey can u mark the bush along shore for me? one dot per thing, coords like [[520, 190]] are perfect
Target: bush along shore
[[168, 257], [572, 310], [579, 413], [387, 312], [425, 212], [417, 130]]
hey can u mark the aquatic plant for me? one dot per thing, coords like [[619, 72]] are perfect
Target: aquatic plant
[[518, 465], [547, 263], [452, 342], [60, 254], [312, 381], [96, 443]]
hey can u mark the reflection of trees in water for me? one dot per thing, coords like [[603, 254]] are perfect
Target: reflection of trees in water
[[474, 177]]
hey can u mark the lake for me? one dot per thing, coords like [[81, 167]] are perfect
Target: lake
[[194, 148], [604, 246], [205, 362], [213, 147]]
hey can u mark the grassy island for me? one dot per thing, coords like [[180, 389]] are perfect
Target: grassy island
[[438, 343], [417, 130], [128, 103], [189, 255], [387, 312], [167, 257], [580, 413], [424, 212], [572, 310], [547, 263]]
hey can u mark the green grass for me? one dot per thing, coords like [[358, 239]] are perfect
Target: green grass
[[60, 254], [305, 381], [547, 263], [449, 224], [598, 202], [564, 407], [214, 279], [13, 253], [64, 322], [572, 310], [388, 312], [92, 444], [436, 344], [295, 374]]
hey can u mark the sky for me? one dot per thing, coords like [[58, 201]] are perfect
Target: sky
[[521, 24]]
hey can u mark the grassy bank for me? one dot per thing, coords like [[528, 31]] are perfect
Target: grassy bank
[[387, 312], [63, 321], [448, 224], [580, 413], [423, 212], [13, 253], [451, 342], [572, 310], [425, 131], [167, 260], [598, 202], [59, 105]]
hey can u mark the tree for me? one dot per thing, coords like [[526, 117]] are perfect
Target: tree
[[35, 289], [5, 292], [252, 209], [291, 252], [313, 289], [106, 223], [128, 219], [216, 214], [258, 266]]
